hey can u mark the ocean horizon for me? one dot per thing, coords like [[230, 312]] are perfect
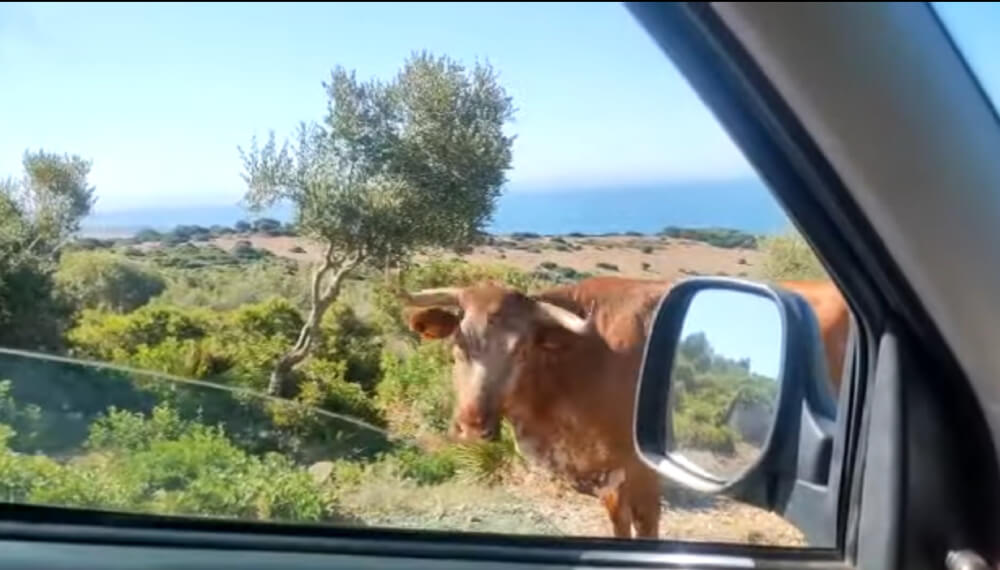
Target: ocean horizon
[[744, 205]]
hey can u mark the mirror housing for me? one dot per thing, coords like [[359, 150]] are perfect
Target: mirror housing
[[801, 436]]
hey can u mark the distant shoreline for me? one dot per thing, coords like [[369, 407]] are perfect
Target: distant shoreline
[[745, 206]]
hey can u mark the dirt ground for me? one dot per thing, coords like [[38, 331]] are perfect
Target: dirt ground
[[644, 257]]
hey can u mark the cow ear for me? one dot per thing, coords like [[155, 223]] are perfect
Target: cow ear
[[434, 322]]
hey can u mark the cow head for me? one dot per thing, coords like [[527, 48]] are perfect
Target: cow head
[[491, 327]]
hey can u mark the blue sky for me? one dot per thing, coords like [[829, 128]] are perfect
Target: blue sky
[[737, 326], [159, 96]]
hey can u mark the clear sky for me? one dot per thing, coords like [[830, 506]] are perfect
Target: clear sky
[[159, 96], [975, 27], [737, 326]]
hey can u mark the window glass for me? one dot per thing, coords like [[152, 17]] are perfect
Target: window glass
[[203, 204], [970, 25]]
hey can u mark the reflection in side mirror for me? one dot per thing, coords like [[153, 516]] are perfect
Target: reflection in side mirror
[[727, 400], [724, 382]]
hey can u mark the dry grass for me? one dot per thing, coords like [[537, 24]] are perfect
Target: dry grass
[[670, 258], [530, 503]]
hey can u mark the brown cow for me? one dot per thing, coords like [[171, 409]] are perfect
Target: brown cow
[[561, 366]]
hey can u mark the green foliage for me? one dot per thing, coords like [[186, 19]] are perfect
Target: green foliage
[[228, 287], [719, 237], [162, 464], [102, 280], [788, 256], [147, 235], [183, 255], [705, 388], [551, 273], [267, 226], [428, 145], [357, 343], [425, 468], [38, 215], [108, 336], [26, 421], [415, 393], [488, 461]]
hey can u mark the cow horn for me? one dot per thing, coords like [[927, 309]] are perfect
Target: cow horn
[[566, 319], [443, 297]]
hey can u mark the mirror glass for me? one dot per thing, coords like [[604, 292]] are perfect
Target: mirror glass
[[724, 382]]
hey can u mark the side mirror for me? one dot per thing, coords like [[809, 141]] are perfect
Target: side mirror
[[725, 401]]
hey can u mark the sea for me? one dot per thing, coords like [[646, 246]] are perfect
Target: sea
[[647, 208]]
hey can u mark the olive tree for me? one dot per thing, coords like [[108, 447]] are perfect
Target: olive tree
[[39, 213], [395, 166]]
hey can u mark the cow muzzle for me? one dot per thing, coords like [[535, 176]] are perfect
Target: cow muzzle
[[470, 427]]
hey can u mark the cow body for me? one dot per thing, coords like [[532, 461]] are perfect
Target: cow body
[[562, 367]]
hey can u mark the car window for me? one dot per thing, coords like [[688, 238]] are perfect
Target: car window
[[318, 263], [968, 25]]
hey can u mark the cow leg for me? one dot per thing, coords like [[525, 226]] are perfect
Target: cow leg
[[646, 518], [613, 497], [618, 512], [643, 489]]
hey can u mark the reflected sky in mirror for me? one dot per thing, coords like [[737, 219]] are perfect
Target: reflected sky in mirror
[[738, 325]]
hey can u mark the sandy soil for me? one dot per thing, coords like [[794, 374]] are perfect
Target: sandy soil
[[646, 257]]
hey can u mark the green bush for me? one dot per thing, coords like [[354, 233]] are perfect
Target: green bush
[[228, 287], [147, 235], [172, 467], [488, 461], [706, 386], [102, 280], [719, 237], [788, 256], [109, 336], [607, 266], [426, 468], [415, 393]]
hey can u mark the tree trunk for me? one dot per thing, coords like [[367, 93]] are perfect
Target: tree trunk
[[282, 382]]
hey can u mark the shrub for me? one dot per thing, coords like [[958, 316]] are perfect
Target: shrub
[[646, 266], [719, 237], [426, 468], [242, 226], [488, 461], [415, 393], [548, 265], [267, 226], [524, 235], [228, 286], [89, 243], [647, 249], [106, 335], [607, 266], [101, 280], [173, 467], [297, 249], [147, 235], [788, 256]]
